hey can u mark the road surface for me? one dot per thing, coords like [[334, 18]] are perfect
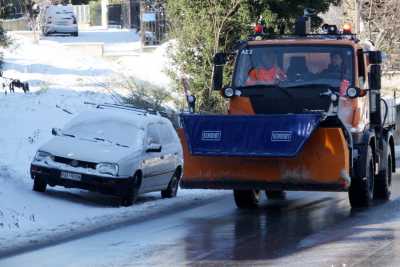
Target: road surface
[[306, 229]]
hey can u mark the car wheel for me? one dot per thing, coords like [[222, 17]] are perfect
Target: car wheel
[[39, 185], [275, 194], [172, 189], [131, 195], [246, 199]]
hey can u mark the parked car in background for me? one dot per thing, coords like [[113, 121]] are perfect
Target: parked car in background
[[58, 19], [118, 150]]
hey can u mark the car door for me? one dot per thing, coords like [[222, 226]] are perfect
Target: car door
[[167, 154], [152, 159]]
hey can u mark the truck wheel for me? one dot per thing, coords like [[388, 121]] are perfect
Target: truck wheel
[[383, 181], [246, 199], [275, 194], [130, 197], [39, 185], [172, 188], [362, 189]]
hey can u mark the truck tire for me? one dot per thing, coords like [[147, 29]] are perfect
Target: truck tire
[[275, 194], [246, 199], [173, 186], [131, 195], [383, 181], [39, 185], [361, 190]]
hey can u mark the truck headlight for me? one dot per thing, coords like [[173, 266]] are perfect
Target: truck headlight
[[107, 168], [41, 155], [229, 92]]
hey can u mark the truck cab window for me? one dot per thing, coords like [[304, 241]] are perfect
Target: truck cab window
[[361, 67]]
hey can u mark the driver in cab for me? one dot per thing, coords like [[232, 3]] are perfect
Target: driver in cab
[[265, 70]]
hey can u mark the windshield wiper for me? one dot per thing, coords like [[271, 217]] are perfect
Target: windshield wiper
[[69, 135], [118, 144], [109, 141], [101, 139], [311, 85]]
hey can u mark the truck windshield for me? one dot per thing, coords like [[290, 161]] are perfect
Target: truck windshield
[[294, 66]]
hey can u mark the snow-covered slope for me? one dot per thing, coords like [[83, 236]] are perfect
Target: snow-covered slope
[[60, 79]]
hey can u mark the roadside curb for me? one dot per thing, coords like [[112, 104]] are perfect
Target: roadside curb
[[103, 223]]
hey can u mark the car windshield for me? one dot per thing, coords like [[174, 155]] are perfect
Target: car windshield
[[294, 66], [115, 132]]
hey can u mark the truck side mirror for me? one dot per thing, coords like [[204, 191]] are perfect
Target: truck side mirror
[[375, 57], [375, 77], [218, 71]]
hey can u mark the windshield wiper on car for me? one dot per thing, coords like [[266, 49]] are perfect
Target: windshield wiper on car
[[118, 144], [101, 139], [69, 135], [109, 141]]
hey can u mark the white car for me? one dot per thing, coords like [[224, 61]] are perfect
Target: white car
[[118, 150], [58, 19]]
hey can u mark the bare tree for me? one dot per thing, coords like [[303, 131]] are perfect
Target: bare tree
[[382, 22]]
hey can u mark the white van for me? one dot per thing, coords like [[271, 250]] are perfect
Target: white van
[[58, 19], [118, 150]]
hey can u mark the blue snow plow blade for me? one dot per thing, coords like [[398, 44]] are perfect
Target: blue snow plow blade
[[248, 136]]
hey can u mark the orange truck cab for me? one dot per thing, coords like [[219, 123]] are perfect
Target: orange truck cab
[[305, 113]]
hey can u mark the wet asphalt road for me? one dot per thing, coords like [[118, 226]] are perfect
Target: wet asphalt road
[[306, 229]]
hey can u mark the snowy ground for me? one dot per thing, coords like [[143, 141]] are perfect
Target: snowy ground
[[125, 44], [62, 79]]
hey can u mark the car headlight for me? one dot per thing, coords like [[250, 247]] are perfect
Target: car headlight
[[42, 155], [107, 168]]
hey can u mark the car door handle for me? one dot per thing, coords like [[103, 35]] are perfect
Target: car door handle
[[162, 157]]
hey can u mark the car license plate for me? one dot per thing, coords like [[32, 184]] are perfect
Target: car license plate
[[71, 176]]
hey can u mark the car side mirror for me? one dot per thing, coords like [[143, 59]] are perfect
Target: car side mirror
[[56, 131], [153, 147], [218, 70]]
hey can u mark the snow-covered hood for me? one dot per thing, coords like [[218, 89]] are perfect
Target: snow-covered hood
[[87, 150]]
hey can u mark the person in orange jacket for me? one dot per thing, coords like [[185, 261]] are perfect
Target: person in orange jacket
[[266, 71]]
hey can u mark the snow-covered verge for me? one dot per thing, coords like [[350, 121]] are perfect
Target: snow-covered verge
[[61, 80]]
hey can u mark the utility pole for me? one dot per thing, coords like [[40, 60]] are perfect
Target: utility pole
[[358, 14], [142, 30], [104, 13]]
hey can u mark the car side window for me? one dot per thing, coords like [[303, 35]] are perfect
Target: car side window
[[153, 134], [166, 135]]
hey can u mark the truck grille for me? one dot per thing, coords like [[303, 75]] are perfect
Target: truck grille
[[75, 163]]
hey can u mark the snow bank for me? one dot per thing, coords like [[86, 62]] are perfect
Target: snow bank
[[61, 80]]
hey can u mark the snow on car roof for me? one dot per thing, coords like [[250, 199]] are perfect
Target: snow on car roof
[[138, 119]]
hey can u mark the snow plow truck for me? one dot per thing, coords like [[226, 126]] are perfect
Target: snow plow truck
[[305, 114]]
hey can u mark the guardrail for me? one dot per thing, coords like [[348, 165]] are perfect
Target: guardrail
[[21, 24]]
